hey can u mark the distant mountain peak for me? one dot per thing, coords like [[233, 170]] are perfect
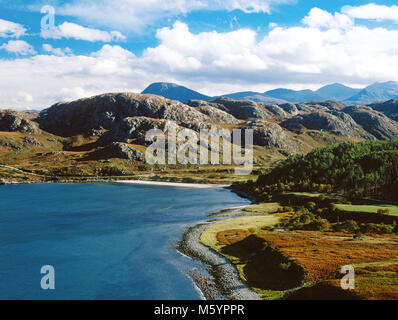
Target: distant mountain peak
[[174, 91], [337, 91], [377, 92], [294, 95]]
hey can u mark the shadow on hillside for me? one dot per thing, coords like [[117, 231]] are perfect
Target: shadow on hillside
[[81, 148], [265, 267], [322, 291]]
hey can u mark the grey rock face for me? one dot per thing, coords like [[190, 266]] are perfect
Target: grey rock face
[[328, 104], [289, 108], [374, 122], [276, 110], [13, 121], [270, 135], [216, 115], [132, 128], [103, 111], [135, 129], [389, 108], [242, 109], [335, 122], [124, 151]]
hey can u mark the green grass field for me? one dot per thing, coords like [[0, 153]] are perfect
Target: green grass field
[[369, 208], [315, 195], [264, 208]]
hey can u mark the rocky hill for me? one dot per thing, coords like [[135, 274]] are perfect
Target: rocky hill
[[13, 121], [123, 117], [81, 134]]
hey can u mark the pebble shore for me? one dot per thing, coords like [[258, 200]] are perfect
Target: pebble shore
[[226, 275]]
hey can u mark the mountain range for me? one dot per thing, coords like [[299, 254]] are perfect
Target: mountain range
[[376, 92]]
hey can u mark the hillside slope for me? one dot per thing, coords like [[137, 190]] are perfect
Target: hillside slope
[[105, 134]]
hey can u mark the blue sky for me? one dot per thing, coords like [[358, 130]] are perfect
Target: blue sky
[[212, 46]]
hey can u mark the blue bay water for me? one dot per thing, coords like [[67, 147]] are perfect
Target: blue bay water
[[105, 241]]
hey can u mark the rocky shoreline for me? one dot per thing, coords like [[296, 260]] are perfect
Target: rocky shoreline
[[226, 276]]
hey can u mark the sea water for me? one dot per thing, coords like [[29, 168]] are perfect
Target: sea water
[[104, 241]]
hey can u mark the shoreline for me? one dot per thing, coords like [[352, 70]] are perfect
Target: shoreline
[[173, 184], [224, 272], [137, 182]]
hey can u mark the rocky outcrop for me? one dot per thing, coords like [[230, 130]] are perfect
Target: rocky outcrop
[[289, 108], [31, 141], [335, 122], [328, 104], [389, 108], [374, 122], [133, 129], [270, 135], [277, 111], [242, 109], [123, 151], [104, 111], [216, 115], [13, 121]]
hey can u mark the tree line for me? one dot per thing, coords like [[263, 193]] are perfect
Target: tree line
[[362, 169]]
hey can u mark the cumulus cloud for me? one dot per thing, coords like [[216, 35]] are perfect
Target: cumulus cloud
[[372, 12], [308, 55], [18, 47], [11, 29], [75, 31], [56, 51], [135, 15], [52, 78], [318, 18]]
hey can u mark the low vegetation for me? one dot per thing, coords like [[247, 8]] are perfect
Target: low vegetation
[[341, 212]]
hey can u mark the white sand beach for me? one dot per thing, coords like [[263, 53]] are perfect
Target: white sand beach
[[174, 184]]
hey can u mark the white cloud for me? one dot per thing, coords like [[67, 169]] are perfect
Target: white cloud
[[135, 15], [318, 18], [11, 29], [18, 47], [309, 55], [182, 50], [372, 12], [56, 51], [27, 97], [75, 31], [51, 78]]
